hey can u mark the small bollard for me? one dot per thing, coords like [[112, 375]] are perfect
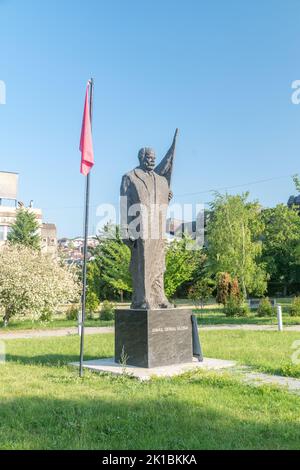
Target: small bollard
[[279, 318], [79, 323]]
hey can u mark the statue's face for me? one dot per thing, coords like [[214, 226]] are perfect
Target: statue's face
[[148, 161]]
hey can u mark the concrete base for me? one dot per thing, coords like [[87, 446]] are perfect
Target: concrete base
[[110, 366], [153, 338]]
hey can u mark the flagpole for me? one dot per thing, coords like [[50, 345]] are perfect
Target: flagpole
[[86, 231]]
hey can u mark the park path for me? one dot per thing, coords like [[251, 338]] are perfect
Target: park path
[[258, 378], [93, 330]]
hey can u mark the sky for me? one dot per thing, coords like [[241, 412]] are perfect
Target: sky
[[219, 71]]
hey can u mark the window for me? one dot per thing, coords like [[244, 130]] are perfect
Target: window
[[2, 233]]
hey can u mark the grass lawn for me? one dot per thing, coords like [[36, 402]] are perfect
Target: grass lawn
[[213, 315], [266, 351], [44, 405], [56, 323], [209, 316]]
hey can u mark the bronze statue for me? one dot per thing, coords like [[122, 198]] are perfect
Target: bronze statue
[[145, 195]]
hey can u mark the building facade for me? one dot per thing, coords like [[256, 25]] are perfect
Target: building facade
[[8, 211], [8, 217]]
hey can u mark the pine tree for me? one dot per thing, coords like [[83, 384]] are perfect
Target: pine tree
[[25, 230]]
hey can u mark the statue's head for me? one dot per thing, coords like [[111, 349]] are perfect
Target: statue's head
[[147, 158]]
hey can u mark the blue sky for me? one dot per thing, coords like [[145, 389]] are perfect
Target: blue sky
[[220, 71]]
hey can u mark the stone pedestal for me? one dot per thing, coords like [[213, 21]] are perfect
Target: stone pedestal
[[153, 338]]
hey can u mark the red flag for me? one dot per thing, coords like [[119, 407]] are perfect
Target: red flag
[[86, 141]]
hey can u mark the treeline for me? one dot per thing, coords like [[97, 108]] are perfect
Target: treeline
[[257, 249]]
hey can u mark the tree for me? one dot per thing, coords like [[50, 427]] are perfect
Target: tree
[[111, 263], [281, 244], [32, 283], [234, 246], [93, 280], [181, 262], [109, 272], [296, 180], [223, 287], [201, 291], [24, 231], [92, 302]]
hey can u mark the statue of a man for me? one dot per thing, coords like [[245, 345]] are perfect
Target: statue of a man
[[145, 195]]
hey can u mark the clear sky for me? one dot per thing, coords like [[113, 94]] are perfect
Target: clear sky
[[221, 71]]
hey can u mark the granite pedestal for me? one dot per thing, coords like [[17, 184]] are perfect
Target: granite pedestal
[[153, 338]]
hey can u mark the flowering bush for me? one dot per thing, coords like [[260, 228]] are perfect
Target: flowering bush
[[32, 283]]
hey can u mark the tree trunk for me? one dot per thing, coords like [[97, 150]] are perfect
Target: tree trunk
[[5, 319], [121, 295], [244, 289]]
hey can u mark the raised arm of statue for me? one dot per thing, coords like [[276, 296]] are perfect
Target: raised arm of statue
[[165, 167]]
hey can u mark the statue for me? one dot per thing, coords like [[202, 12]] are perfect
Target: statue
[[145, 195], [152, 333]]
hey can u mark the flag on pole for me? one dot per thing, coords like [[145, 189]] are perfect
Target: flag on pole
[[87, 162], [86, 141]]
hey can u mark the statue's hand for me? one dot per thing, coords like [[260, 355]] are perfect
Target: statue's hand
[[170, 195]]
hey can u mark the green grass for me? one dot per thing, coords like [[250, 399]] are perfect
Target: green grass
[[44, 405], [56, 323], [266, 351], [213, 315], [216, 317]]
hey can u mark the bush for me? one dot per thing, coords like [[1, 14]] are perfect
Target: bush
[[243, 311], [92, 302], [107, 311], [295, 307], [265, 308], [32, 282], [234, 307], [223, 288], [46, 316], [72, 313], [201, 291]]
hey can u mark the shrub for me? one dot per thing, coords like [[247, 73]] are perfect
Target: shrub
[[201, 291], [107, 311], [231, 307], [32, 282], [46, 316], [223, 288], [295, 307], [244, 310], [235, 288], [235, 307], [92, 302], [265, 308], [72, 313]]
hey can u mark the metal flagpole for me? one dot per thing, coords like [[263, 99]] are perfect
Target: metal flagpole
[[86, 231]]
